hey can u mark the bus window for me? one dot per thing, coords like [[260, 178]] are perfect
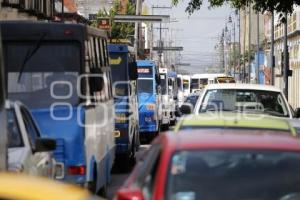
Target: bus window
[[41, 73]]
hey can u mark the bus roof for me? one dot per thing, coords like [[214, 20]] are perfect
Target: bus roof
[[143, 63], [117, 48], [198, 76], [14, 30]]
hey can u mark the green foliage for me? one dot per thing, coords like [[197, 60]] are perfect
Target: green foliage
[[119, 30], [258, 5]]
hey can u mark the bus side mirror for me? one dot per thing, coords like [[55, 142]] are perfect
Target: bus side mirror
[[186, 109], [157, 79], [133, 74], [297, 113]]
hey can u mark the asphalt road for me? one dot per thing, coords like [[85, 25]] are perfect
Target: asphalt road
[[119, 178]]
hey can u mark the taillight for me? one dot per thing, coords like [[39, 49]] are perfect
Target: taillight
[[76, 170]]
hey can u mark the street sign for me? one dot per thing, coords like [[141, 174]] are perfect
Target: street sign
[[104, 23], [167, 48]]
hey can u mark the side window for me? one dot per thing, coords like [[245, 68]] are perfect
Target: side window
[[147, 178], [30, 126], [102, 52], [14, 135]]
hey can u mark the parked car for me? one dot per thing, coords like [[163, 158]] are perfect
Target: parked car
[[250, 98], [28, 152], [227, 164], [24, 187], [229, 120]]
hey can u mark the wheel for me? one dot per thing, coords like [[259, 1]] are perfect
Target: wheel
[[103, 191], [164, 127]]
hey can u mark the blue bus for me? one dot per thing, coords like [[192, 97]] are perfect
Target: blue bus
[[149, 99], [124, 77], [62, 73]]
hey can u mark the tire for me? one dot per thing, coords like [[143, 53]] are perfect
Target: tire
[[103, 191], [164, 127]]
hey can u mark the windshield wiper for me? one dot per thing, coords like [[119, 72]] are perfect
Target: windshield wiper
[[29, 54]]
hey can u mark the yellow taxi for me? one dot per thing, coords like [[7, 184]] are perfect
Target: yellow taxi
[[234, 121], [23, 187]]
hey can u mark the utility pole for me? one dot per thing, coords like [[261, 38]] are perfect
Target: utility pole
[[258, 50], [234, 51], [249, 45], [62, 11], [272, 50], [244, 49], [239, 43], [286, 57], [137, 28], [160, 43]]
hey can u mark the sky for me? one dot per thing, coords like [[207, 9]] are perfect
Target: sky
[[198, 33]]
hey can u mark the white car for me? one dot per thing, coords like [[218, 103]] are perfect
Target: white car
[[27, 152], [244, 98]]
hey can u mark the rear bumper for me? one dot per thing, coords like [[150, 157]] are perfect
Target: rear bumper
[[123, 143], [148, 128]]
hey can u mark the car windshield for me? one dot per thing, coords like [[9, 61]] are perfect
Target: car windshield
[[252, 101], [14, 135], [234, 175], [145, 86], [50, 74]]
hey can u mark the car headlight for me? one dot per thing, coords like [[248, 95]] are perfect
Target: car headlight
[[150, 106], [121, 118]]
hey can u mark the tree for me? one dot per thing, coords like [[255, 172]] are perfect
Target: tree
[[280, 6], [119, 30]]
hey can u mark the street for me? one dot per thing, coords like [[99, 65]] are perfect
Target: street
[[119, 178]]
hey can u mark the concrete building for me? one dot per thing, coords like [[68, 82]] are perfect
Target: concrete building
[[87, 7], [244, 29]]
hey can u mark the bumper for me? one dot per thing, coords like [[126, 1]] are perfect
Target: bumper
[[145, 128], [123, 143]]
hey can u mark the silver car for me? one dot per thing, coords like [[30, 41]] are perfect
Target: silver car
[[27, 152]]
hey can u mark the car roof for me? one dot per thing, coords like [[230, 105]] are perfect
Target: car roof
[[240, 86], [230, 139], [18, 186], [234, 120]]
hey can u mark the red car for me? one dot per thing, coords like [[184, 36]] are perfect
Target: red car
[[216, 164]]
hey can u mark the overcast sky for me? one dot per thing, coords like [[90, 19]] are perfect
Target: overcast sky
[[197, 33]]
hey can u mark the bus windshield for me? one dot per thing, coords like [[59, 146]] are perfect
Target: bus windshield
[[145, 86], [163, 84], [186, 84], [49, 75], [119, 72]]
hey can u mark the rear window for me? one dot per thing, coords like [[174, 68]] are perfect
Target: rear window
[[234, 175]]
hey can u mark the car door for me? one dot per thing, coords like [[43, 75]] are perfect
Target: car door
[[42, 161]]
